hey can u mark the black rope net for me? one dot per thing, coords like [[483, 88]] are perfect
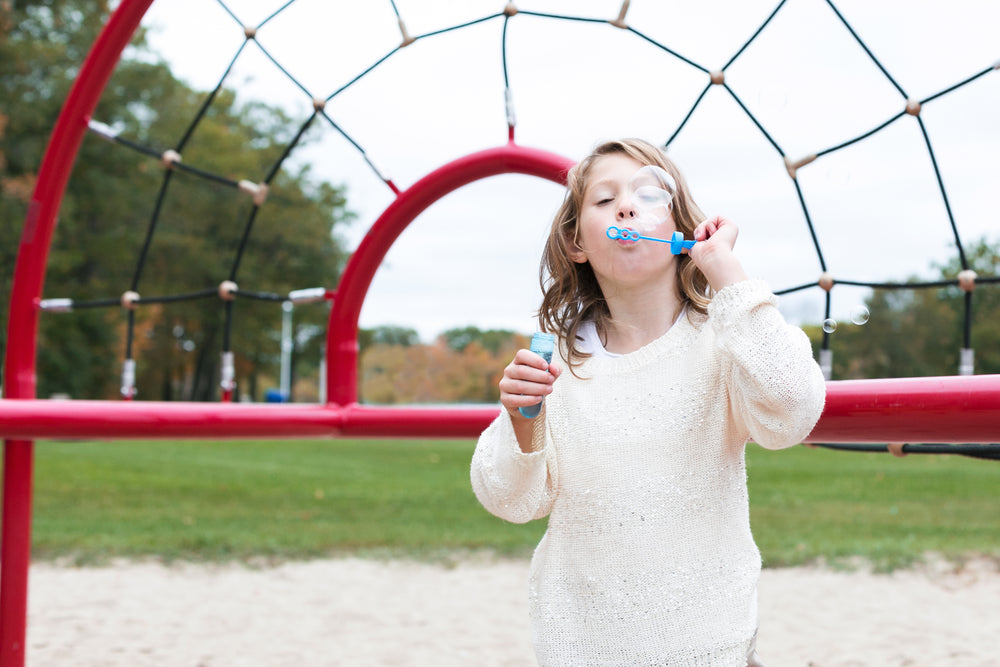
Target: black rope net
[[665, 90]]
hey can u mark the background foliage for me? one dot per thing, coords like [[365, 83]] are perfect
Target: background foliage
[[109, 204]]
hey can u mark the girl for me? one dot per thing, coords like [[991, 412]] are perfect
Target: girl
[[637, 457]]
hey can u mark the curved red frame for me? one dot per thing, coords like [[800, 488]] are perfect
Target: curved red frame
[[29, 274], [342, 332], [945, 410]]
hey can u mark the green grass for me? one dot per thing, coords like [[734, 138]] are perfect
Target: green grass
[[251, 500], [811, 504]]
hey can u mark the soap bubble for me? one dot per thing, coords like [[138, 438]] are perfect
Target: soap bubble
[[860, 314], [829, 325], [651, 191]]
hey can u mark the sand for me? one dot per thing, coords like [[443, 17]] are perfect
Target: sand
[[352, 611]]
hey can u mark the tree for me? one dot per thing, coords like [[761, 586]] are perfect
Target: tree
[[391, 335], [436, 373], [41, 44], [919, 332], [109, 206], [491, 339]]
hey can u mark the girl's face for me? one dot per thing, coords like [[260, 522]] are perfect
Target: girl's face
[[607, 203]]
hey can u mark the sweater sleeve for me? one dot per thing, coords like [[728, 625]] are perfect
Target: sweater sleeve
[[776, 387], [510, 484]]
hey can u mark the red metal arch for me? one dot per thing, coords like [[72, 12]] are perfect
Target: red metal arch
[[342, 350], [29, 275]]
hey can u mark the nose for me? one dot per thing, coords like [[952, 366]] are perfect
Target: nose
[[625, 209]]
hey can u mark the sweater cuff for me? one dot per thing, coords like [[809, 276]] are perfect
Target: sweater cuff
[[513, 452]]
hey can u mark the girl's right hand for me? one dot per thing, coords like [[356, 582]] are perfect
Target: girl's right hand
[[526, 381]]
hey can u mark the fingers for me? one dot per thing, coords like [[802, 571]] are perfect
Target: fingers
[[719, 230], [705, 229], [714, 252], [526, 380]]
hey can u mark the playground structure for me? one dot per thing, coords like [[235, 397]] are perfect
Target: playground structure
[[962, 409]]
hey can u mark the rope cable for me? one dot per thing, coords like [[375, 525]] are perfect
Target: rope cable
[[866, 49], [171, 159], [754, 36]]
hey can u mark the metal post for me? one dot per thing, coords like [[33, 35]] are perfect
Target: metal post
[[286, 349]]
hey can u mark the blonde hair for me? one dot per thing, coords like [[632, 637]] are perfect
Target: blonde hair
[[571, 294]]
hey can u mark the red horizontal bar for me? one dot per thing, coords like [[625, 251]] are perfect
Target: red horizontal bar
[[57, 419], [42, 418], [918, 410], [948, 410]]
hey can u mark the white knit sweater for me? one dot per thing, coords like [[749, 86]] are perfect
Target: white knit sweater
[[648, 558]]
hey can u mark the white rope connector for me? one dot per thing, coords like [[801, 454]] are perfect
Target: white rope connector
[[407, 40], [996, 65], [510, 9], [826, 280], [307, 295], [250, 31], [620, 21], [793, 166], [826, 363], [508, 100], [967, 361], [319, 104], [227, 379], [258, 191], [169, 158], [228, 290], [129, 300], [56, 305], [913, 107], [128, 378], [718, 77], [102, 130], [967, 280]]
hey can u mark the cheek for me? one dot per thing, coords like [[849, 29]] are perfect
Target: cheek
[[669, 225], [589, 228], [672, 220]]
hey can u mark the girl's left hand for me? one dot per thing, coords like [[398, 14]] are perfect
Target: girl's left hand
[[717, 231], [713, 253]]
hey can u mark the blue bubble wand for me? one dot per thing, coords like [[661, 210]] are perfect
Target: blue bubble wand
[[677, 241]]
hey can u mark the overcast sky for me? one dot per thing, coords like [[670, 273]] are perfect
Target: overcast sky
[[472, 258]]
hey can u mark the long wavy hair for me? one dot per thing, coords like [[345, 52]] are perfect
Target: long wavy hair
[[571, 294]]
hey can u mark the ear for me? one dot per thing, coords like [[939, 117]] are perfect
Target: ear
[[573, 249]]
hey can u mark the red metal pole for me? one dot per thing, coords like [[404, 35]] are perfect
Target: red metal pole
[[342, 332], [951, 409], [954, 409], [29, 274]]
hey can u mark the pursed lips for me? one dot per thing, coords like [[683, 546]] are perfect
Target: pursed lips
[[623, 241]]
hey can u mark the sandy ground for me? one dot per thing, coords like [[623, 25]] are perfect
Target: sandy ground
[[371, 612]]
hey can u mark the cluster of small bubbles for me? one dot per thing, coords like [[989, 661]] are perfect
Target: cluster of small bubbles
[[859, 315]]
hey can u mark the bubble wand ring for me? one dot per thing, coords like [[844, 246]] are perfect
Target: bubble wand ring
[[677, 241]]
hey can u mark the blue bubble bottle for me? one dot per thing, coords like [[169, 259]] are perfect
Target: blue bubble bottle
[[542, 344]]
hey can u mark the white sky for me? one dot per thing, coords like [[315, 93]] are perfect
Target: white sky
[[472, 258]]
